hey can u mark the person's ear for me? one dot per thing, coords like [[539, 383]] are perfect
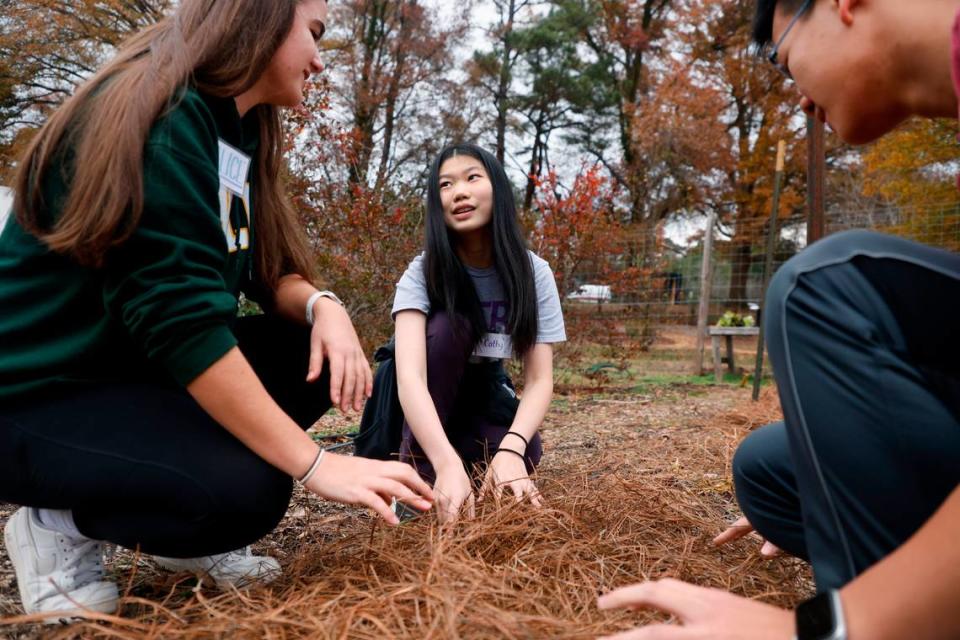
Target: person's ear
[[846, 7]]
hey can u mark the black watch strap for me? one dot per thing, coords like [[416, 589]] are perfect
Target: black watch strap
[[821, 618]]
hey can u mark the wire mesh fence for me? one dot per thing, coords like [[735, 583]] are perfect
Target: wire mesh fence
[[658, 311]]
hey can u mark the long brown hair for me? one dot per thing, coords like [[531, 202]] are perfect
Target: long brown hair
[[222, 47]]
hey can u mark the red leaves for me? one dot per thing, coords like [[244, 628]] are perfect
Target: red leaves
[[576, 230], [365, 238]]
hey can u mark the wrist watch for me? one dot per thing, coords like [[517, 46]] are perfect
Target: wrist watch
[[821, 618], [316, 296]]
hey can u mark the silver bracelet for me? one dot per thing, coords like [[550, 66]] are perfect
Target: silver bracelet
[[312, 300], [313, 468]]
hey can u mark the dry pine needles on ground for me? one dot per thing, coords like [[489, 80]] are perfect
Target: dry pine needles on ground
[[635, 490]]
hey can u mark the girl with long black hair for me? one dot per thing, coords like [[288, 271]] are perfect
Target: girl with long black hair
[[475, 297]]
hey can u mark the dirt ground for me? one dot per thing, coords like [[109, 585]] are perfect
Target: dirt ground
[[636, 485]]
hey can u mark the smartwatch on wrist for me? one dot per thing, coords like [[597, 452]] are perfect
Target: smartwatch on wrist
[[821, 618], [312, 300]]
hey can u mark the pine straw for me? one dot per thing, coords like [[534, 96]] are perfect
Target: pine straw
[[629, 514]]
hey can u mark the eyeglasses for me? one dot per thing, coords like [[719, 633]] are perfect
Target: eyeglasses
[[774, 53]]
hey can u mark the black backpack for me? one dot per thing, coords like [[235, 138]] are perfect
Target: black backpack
[[381, 427]]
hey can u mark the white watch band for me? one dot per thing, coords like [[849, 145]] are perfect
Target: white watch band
[[312, 300]]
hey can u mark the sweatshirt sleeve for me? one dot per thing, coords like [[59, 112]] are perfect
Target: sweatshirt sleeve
[[165, 283]]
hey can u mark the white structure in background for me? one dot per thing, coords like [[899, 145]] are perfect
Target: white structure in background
[[6, 203], [591, 293]]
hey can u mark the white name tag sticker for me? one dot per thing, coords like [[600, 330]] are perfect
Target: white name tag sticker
[[494, 345], [234, 166]]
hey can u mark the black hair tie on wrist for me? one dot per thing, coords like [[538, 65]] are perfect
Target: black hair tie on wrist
[[516, 453], [526, 443]]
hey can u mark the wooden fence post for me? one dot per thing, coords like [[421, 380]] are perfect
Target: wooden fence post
[[816, 170], [772, 233], [706, 276]]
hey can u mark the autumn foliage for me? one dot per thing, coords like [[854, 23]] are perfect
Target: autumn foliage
[[617, 119], [364, 236], [47, 47], [915, 168], [576, 232]]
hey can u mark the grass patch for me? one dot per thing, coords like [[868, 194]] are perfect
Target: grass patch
[[649, 384], [327, 429]]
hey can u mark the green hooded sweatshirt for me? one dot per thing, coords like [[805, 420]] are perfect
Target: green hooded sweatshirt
[[163, 304]]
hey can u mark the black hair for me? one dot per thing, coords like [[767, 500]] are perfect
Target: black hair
[[763, 18], [449, 285]]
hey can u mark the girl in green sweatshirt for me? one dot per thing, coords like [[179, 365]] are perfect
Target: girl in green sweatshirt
[[135, 407]]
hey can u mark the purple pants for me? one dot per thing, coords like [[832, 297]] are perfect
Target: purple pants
[[465, 396]]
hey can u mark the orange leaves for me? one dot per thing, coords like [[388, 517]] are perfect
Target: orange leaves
[[915, 169], [914, 165], [756, 109], [680, 127], [47, 47], [624, 23]]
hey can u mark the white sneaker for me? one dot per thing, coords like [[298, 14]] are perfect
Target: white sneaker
[[56, 572], [234, 569]]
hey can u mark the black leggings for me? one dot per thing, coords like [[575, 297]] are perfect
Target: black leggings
[[141, 464]]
